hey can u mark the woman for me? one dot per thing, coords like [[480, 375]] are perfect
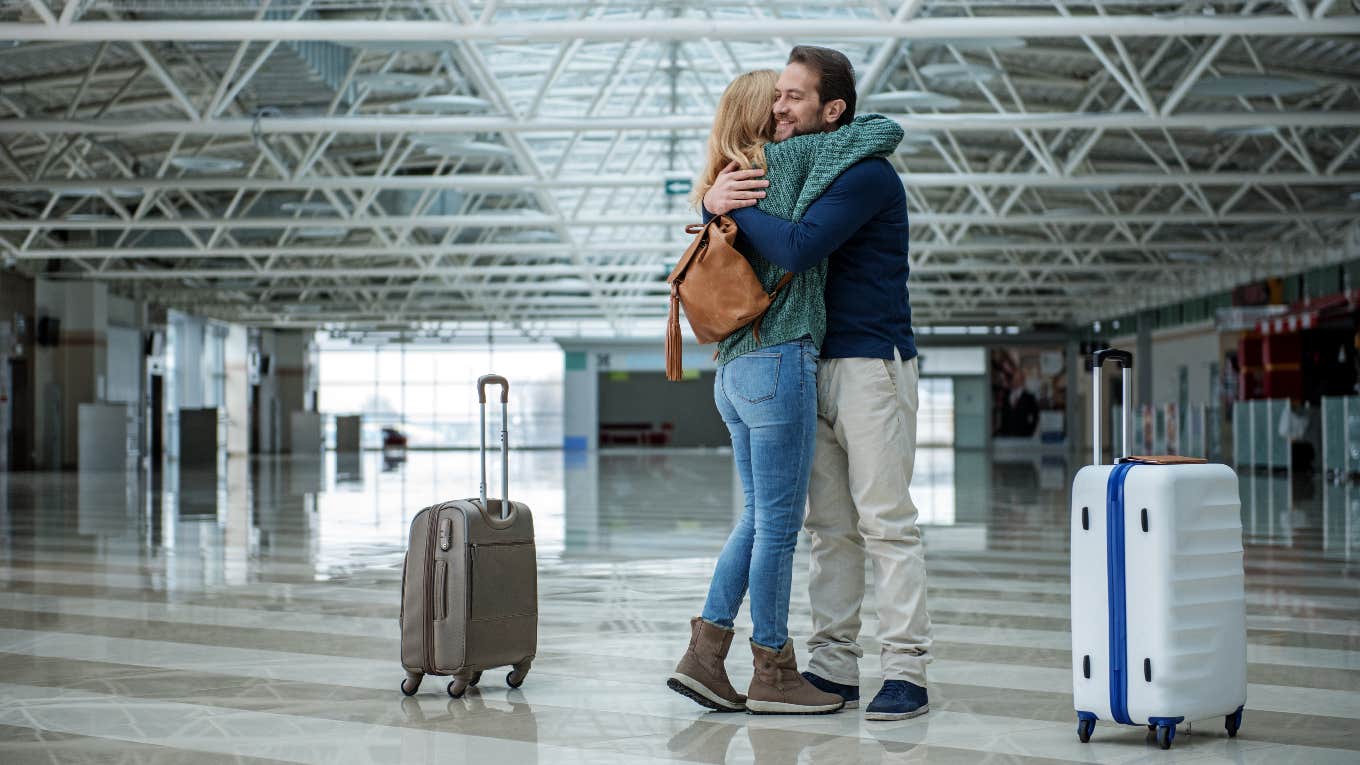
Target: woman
[[766, 391]]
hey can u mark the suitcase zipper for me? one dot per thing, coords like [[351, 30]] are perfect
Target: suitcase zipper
[[429, 590], [1115, 576]]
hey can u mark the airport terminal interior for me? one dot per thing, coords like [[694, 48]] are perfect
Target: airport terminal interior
[[257, 253]]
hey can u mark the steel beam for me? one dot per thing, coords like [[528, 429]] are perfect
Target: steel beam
[[382, 32], [513, 222], [526, 183], [971, 122], [1007, 264]]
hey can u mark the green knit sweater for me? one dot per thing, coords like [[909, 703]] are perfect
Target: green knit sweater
[[799, 170]]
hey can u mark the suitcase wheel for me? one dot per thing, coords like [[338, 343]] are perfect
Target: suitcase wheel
[[409, 686], [476, 678], [1233, 722], [1165, 735], [1084, 730], [515, 678], [457, 687]]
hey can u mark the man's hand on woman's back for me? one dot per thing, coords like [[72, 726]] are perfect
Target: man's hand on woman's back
[[735, 188]]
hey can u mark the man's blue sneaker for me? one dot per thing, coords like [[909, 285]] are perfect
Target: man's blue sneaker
[[848, 692], [898, 700]]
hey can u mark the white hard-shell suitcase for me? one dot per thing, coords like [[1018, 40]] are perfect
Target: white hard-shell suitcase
[[1159, 631]]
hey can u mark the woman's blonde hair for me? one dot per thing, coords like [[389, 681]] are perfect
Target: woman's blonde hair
[[742, 126]]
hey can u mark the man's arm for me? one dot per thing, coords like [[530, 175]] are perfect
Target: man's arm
[[846, 205]]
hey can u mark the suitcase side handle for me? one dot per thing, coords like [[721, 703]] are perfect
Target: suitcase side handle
[[482, 382], [1096, 364]]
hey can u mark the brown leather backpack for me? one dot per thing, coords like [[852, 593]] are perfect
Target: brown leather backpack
[[720, 292]]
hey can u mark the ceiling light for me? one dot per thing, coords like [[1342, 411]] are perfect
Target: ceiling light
[[468, 149], [91, 191], [448, 103], [1251, 86], [530, 236], [1069, 211], [1190, 256], [307, 207], [440, 139], [1095, 187], [976, 43], [398, 45], [959, 73], [200, 164], [914, 99], [1247, 130], [321, 232], [398, 81], [909, 148], [84, 217]]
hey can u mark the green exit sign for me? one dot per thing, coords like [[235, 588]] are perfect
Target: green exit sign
[[678, 186]]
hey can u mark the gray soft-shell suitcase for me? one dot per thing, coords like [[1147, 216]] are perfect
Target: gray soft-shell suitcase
[[469, 588]]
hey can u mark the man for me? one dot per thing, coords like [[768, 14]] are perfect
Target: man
[[1019, 409], [858, 500]]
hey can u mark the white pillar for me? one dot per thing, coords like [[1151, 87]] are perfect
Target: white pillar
[[580, 400], [237, 391]]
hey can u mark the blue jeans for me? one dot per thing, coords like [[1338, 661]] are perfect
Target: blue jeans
[[768, 398]]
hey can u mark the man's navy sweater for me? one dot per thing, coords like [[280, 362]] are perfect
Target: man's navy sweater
[[860, 222]]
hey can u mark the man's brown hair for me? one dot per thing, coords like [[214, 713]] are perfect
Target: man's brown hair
[[835, 76]]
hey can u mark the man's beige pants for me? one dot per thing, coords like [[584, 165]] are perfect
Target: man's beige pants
[[859, 503]]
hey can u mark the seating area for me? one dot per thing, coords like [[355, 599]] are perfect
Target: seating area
[[636, 433]]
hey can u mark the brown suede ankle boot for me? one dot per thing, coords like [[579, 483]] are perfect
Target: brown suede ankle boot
[[701, 674], [778, 689]]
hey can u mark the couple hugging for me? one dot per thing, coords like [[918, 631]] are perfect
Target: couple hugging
[[821, 403]]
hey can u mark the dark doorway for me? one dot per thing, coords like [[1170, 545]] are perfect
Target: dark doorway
[[157, 415], [254, 419], [21, 420]]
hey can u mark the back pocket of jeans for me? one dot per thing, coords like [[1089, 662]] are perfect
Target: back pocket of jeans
[[752, 377]]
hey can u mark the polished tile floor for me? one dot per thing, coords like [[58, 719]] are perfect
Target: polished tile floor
[[251, 617]]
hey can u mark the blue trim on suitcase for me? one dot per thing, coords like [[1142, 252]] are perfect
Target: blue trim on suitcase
[[1115, 572], [1092, 716]]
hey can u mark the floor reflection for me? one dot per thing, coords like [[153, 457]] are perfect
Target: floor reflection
[[339, 512], [143, 611]]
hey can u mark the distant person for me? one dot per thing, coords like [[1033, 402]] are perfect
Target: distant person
[[1019, 409], [860, 500], [766, 391]]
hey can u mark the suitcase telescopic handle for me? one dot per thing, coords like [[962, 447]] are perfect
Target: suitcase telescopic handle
[[486, 380], [1097, 363], [482, 382], [1123, 358]]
